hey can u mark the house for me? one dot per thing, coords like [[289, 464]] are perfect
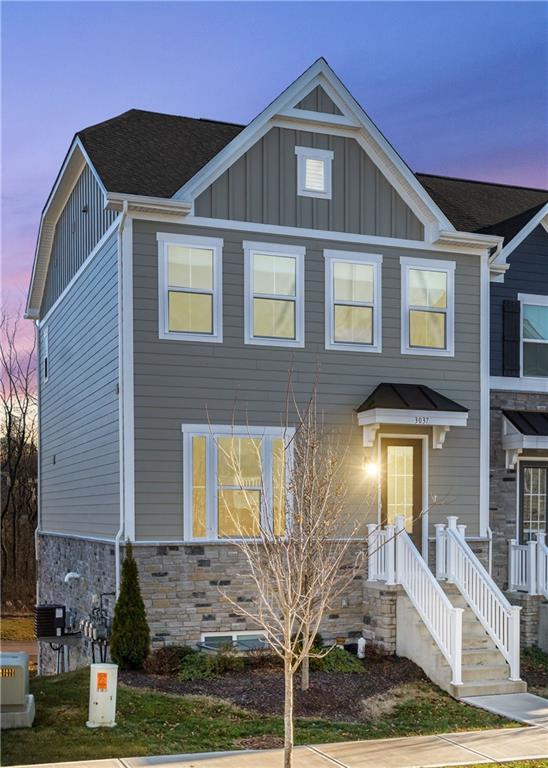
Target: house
[[183, 268]]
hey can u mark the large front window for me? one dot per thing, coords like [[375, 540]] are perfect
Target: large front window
[[234, 481], [190, 287], [427, 306], [534, 335], [274, 309]]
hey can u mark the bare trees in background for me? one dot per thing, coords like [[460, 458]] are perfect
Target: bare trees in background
[[299, 554], [18, 456]]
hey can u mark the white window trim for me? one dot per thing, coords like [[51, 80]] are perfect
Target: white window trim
[[216, 245], [213, 432], [317, 154], [434, 265], [235, 634], [534, 300], [273, 249], [373, 259], [45, 354]]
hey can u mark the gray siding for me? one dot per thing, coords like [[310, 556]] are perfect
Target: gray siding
[[178, 382], [528, 273], [76, 235], [79, 461], [318, 101], [262, 187]]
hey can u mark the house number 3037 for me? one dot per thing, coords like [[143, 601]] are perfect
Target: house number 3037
[[422, 419]]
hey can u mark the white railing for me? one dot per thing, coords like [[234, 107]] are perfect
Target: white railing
[[528, 566], [461, 566], [443, 621], [381, 554]]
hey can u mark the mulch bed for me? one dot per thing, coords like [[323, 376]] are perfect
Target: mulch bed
[[535, 673], [334, 696]]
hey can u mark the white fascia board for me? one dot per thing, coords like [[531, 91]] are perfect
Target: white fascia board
[[541, 217], [382, 152], [525, 442], [518, 384], [147, 204], [413, 417]]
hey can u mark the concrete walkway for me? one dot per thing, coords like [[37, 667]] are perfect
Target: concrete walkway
[[452, 749], [521, 707]]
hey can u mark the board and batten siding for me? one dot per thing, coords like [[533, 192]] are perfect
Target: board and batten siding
[[528, 273], [81, 225], [318, 101], [180, 382], [261, 187], [79, 460]]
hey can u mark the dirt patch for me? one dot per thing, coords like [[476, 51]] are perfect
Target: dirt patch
[[336, 696], [534, 670]]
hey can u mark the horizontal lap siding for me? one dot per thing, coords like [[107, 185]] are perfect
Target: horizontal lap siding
[[262, 187], [79, 406], [528, 273], [76, 235], [178, 382]]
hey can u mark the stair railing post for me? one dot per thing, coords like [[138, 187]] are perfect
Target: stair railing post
[[512, 544], [372, 538], [451, 554], [390, 555], [456, 646], [398, 535], [462, 530], [541, 567], [514, 646], [441, 569], [532, 567]]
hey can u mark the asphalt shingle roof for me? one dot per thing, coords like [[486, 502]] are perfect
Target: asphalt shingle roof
[[148, 153]]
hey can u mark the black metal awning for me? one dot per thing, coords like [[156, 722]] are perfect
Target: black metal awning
[[416, 397], [529, 422]]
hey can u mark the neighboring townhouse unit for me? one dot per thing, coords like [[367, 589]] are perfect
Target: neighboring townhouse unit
[[184, 268]]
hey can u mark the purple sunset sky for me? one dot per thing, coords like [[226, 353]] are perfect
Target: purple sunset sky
[[458, 88]]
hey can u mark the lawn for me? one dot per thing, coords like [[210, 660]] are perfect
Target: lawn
[[17, 628], [153, 722]]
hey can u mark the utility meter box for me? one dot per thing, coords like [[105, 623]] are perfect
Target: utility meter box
[[16, 704], [102, 695]]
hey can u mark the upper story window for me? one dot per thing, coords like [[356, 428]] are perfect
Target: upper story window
[[234, 481], [274, 294], [353, 301], [534, 335], [190, 287], [427, 306], [45, 352], [314, 172]]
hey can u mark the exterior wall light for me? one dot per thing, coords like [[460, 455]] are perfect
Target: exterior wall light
[[371, 468]]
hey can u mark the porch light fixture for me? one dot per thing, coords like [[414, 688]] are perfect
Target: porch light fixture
[[371, 468]]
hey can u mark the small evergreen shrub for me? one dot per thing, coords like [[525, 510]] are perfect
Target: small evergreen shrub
[[129, 645], [203, 666], [339, 660], [166, 660]]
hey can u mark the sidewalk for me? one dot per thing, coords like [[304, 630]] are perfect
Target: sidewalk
[[475, 747]]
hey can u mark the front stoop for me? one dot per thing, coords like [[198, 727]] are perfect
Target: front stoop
[[484, 669]]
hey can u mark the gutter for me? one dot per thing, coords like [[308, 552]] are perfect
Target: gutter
[[117, 201]]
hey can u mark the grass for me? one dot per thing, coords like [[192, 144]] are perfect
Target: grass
[[17, 628], [151, 723]]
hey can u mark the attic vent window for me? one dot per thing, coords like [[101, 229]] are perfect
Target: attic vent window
[[314, 172]]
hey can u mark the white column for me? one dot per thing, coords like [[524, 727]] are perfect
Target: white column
[[456, 646], [512, 544], [452, 525], [441, 570], [372, 540], [513, 635], [532, 567]]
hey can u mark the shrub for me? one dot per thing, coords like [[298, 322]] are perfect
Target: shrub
[[339, 660], [203, 666], [166, 660], [227, 661], [129, 645]]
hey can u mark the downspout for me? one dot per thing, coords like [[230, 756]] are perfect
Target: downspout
[[120, 533]]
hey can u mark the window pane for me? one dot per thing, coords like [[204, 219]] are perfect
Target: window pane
[[353, 324], [353, 282], [535, 359], [274, 275], [535, 322], [218, 641], [399, 484], [274, 318], [190, 267], [239, 512], [314, 173], [278, 485], [427, 288], [190, 312], [199, 487], [239, 461], [534, 507], [427, 329]]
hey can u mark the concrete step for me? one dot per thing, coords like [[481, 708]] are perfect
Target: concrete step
[[481, 656], [487, 688], [482, 672]]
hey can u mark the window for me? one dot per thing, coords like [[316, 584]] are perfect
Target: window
[[274, 294], [314, 172], [534, 335], [234, 481], [190, 287], [353, 301], [427, 311], [45, 352], [239, 641], [534, 497]]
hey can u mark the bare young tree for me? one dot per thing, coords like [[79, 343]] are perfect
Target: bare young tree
[[298, 548], [18, 454]]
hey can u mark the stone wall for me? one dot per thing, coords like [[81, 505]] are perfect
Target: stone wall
[[529, 616], [379, 614], [503, 482]]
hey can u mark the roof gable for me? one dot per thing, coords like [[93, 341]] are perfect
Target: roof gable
[[318, 101]]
